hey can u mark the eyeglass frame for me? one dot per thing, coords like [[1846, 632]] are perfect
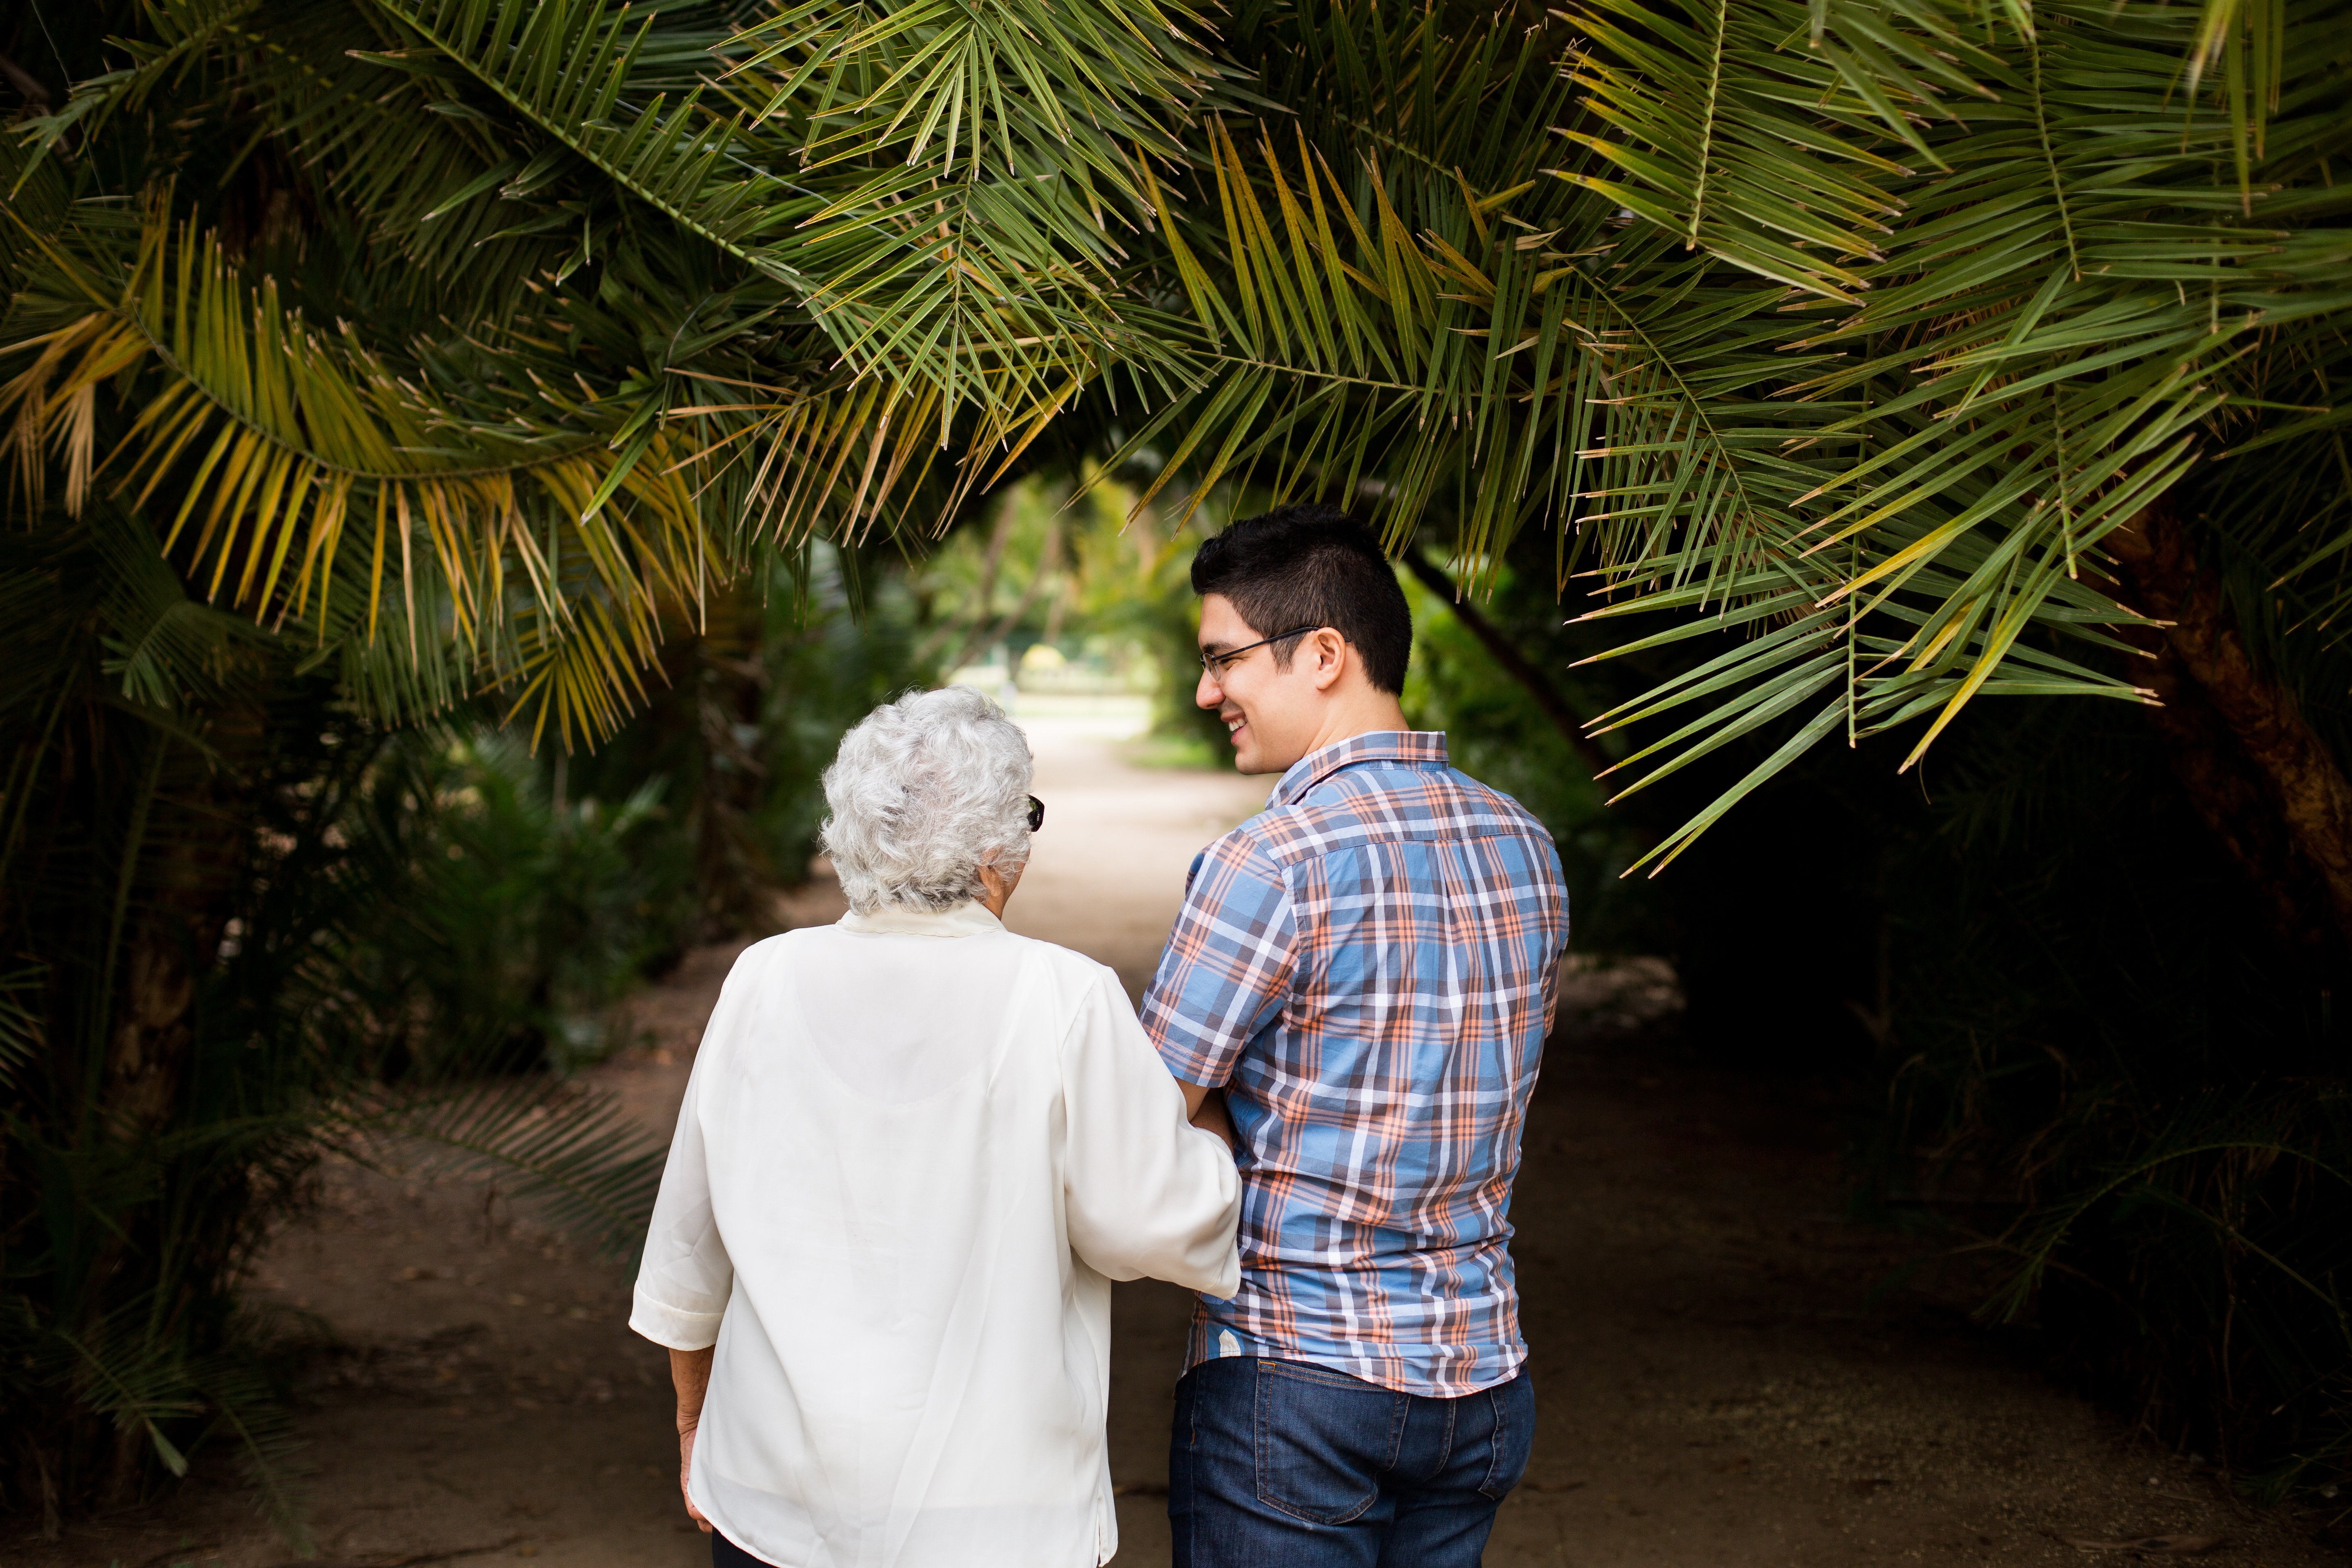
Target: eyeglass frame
[[1215, 664], [1037, 813]]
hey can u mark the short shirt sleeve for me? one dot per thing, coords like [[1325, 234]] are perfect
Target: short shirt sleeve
[[1229, 964]]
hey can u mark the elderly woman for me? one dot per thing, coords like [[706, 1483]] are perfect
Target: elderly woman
[[915, 1151]]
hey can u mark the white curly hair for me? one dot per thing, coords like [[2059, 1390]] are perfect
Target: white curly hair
[[923, 792]]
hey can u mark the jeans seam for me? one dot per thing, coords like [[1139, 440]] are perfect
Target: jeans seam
[[1192, 1476], [1496, 1446]]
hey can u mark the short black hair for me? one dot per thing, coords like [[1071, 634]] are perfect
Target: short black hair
[[1312, 565]]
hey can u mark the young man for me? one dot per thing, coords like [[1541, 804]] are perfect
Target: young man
[[1366, 970]]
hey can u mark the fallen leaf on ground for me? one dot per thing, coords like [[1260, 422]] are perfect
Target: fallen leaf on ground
[[2161, 1545]]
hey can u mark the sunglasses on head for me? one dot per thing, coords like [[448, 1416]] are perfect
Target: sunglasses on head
[[1037, 813]]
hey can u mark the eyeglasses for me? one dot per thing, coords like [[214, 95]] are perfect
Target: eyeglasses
[[1037, 813], [1217, 663]]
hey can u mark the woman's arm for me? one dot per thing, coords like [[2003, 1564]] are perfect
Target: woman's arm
[[1144, 1193], [685, 1278], [689, 1370]]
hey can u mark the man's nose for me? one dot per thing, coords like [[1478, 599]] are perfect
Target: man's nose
[[1208, 693]]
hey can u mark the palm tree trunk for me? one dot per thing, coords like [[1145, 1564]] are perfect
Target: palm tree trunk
[[730, 688], [175, 880], [179, 859], [2255, 769]]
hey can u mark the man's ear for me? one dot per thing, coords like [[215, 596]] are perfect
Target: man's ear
[[1331, 656]]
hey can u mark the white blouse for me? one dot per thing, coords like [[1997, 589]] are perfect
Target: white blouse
[[915, 1151]]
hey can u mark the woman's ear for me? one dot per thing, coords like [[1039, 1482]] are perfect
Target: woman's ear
[[998, 884]]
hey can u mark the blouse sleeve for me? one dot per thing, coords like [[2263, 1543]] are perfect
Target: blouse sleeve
[[1146, 1193], [686, 1276]]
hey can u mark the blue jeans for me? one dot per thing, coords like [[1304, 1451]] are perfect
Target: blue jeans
[[1278, 1464]]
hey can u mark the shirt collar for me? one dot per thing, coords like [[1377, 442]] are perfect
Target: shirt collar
[[964, 919], [1409, 748]]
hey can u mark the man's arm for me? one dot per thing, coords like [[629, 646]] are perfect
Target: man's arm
[[1206, 1107], [689, 1370], [1225, 975]]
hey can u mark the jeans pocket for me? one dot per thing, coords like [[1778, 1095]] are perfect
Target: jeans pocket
[[1323, 1440], [1514, 1437]]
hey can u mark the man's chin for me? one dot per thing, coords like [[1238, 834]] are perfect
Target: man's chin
[[1249, 759]]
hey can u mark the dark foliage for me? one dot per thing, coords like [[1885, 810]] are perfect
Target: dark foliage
[[2079, 1051]]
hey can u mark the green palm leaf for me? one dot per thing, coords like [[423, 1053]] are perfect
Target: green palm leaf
[[578, 1156], [2032, 356], [519, 536]]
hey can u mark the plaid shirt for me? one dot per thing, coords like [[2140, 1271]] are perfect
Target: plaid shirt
[[1370, 967]]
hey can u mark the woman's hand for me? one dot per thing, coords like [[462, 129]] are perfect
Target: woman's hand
[[689, 1373], [686, 1475]]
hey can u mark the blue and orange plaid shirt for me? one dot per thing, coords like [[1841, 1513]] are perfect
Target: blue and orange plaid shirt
[[1369, 968]]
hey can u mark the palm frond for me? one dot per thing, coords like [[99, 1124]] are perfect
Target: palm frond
[[183, 33], [2040, 351], [133, 1378], [566, 66], [292, 451], [1725, 177], [1385, 292], [21, 1027], [578, 1156], [977, 163]]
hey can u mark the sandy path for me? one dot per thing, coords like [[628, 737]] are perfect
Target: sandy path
[[1712, 1392], [1107, 871]]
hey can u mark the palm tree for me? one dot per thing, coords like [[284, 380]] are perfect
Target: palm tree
[[1868, 326], [363, 357], [1949, 356]]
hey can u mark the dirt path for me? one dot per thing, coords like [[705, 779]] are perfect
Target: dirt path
[[1712, 1392]]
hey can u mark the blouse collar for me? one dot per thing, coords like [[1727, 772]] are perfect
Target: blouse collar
[[965, 920]]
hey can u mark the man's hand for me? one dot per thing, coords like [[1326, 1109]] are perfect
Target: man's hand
[[689, 1372], [1206, 1107]]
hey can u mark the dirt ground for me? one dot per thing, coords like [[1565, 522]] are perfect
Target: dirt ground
[[1714, 1392]]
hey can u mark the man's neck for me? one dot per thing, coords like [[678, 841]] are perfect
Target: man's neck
[[1370, 712]]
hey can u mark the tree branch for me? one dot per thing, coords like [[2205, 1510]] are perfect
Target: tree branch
[[1514, 664]]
